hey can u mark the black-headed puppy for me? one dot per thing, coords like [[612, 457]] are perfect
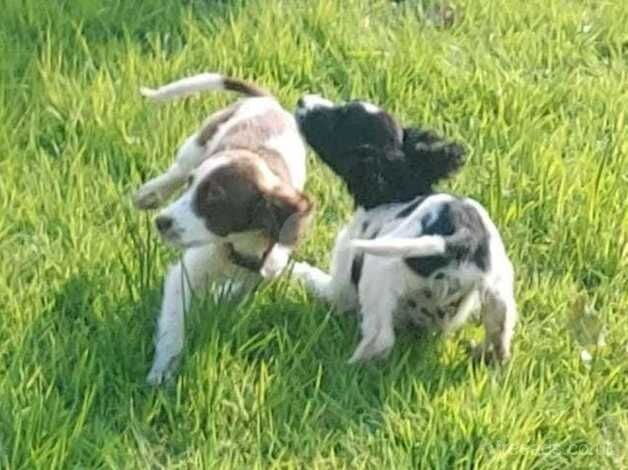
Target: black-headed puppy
[[410, 254]]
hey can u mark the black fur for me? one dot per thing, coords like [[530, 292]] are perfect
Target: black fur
[[470, 242], [356, 269], [427, 265], [466, 239], [380, 161], [358, 260], [410, 208]]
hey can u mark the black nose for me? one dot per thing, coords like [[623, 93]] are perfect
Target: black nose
[[300, 103], [163, 223]]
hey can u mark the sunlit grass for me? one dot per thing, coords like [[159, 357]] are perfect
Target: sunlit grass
[[536, 90]]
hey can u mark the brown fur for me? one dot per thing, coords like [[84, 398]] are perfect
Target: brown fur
[[248, 135], [235, 198], [211, 125], [240, 86]]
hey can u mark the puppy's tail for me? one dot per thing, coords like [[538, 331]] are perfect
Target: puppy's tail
[[427, 245], [202, 82]]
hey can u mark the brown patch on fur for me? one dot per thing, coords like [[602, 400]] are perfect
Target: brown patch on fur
[[211, 125], [276, 164], [240, 86], [250, 134], [235, 198], [290, 214], [247, 135]]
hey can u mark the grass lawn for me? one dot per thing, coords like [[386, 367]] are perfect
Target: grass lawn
[[537, 90]]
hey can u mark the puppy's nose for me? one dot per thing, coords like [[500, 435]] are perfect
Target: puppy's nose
[[163, 223]]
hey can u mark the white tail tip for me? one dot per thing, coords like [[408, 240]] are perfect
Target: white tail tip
[[152, 94], [427, 245]]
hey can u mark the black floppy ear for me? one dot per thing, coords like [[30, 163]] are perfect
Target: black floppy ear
[[432, 156]]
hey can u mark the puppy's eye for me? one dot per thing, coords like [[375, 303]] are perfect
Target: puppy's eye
[[190, 181]]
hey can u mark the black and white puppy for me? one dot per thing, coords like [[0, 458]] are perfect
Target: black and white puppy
[[409, 255], [242, 209]]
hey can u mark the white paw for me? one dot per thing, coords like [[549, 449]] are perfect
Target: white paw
[[162, 371], [276, 261], [372, 348], [147, 197], [309, 275], [274, 266], [485, 353]]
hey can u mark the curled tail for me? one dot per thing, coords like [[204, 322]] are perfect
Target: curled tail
[[427, 245], [204, 81]]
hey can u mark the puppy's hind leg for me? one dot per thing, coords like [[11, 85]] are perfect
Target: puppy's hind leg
[[499, 316], [378, 335], [189, 156]]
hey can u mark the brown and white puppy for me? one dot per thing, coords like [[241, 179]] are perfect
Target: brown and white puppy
[[242, 211]]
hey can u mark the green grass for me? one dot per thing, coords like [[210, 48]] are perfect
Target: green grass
[[537, 90]]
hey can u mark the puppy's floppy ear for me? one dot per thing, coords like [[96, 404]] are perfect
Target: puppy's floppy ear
[[284, 214], [432, 156]]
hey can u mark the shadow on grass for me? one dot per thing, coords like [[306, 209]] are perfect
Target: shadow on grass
[[304, 347], [90, 350]]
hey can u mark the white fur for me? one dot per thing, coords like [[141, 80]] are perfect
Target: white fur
[[290, 143], [309, 102], [198, 266], [248, 109], [206, 256], [428, 245], [386, 281], [185, 86], [370, 107]]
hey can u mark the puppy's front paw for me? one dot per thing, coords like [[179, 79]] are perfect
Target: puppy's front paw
[[162, 371], [147, 197], [485, 354], [275, 263], [372, 348]]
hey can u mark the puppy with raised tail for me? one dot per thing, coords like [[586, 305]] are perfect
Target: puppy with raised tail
[[409, 255], [242, 209]]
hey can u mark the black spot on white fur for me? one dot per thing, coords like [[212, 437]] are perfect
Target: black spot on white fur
[[358, 260], [410, 208], [356, 269], [466, 239], [380, 161]]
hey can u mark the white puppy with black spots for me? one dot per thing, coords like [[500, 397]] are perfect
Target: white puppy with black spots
[[242, 209], [409, 254]]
